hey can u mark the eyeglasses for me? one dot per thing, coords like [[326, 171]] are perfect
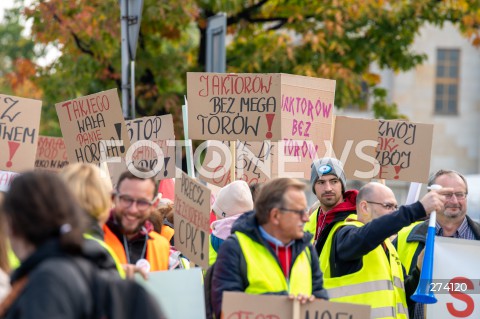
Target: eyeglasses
[[126, 201], [458, 195], [388, 206], [300, 212]]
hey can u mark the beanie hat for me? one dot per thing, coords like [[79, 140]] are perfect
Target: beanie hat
[[233, 199], [327, 166]]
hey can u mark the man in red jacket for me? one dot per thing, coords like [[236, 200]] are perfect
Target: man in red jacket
[[328, 184]]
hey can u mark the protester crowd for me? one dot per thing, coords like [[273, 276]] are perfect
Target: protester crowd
[[60, 230]]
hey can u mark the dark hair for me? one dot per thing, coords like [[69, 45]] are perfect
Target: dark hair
[[129, 175], [39, 207], [254, 190], [441, 172], [272, 195]]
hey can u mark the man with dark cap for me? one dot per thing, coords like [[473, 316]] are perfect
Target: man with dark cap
[[328, 184]]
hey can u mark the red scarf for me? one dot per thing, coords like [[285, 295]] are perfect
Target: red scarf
[[284, 255], [325, 218]]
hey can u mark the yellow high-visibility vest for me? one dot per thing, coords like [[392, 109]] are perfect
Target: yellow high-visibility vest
[[379, 283], [265, 275], [109, 249], [405, 250]]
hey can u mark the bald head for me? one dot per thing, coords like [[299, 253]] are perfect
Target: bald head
[[375, 200]]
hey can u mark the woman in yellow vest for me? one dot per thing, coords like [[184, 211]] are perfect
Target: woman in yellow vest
[[360, 264], [94, 195]]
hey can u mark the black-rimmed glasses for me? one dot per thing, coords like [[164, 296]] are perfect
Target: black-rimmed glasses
[[458, 195], [299, 212], [127, 201], [388, 206]]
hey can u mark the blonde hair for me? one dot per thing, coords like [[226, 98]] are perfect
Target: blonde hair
[[92, 191]]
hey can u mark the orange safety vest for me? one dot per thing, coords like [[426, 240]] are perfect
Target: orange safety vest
[[158, 249], [167, 232]]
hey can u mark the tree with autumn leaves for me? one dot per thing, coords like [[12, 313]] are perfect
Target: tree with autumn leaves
[[336, 39]]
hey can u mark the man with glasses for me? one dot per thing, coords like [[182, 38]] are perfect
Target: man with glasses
[[362, 265], [128, 230], [269, 252], [452, 221]]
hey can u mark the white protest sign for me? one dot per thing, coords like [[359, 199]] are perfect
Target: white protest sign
[[175, 289], [456, 279]]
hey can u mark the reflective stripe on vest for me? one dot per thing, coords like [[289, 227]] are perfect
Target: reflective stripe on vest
[[158, 249], [401, 308], [383, 312], [265, 275], [360, 288], [406, 250], [110, 251], [379, 283]]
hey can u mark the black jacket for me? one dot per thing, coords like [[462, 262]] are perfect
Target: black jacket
[[351, 243], [55, 288], [419, 234], [231, 269]]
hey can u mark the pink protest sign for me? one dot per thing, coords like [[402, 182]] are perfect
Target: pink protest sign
[[294, 110], [51, 154]]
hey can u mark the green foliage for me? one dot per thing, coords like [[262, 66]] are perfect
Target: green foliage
[[382, 109]]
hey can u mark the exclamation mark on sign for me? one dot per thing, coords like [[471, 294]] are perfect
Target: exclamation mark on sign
[[13, 146], [202, 239], [397, 170], [269, 123], [166, 159], [118, 128]]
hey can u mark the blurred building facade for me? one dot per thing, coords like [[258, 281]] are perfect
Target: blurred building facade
[[444, 91]]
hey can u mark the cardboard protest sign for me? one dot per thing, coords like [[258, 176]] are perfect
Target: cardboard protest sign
[[255, 163], [93, 127], [149, 138], [455, 281], [296, 110], [168, 287], [192, 219], [6, 178], [19, 130], [51, 154], [236, 305], [326, 309], [383, 149]]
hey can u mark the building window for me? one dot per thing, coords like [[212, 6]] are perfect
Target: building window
[[447, 81]]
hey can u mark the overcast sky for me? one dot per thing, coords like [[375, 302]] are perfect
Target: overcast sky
[[4, 4]]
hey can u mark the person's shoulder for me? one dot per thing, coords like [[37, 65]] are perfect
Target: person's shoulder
[[57, 272], [157, 237]]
